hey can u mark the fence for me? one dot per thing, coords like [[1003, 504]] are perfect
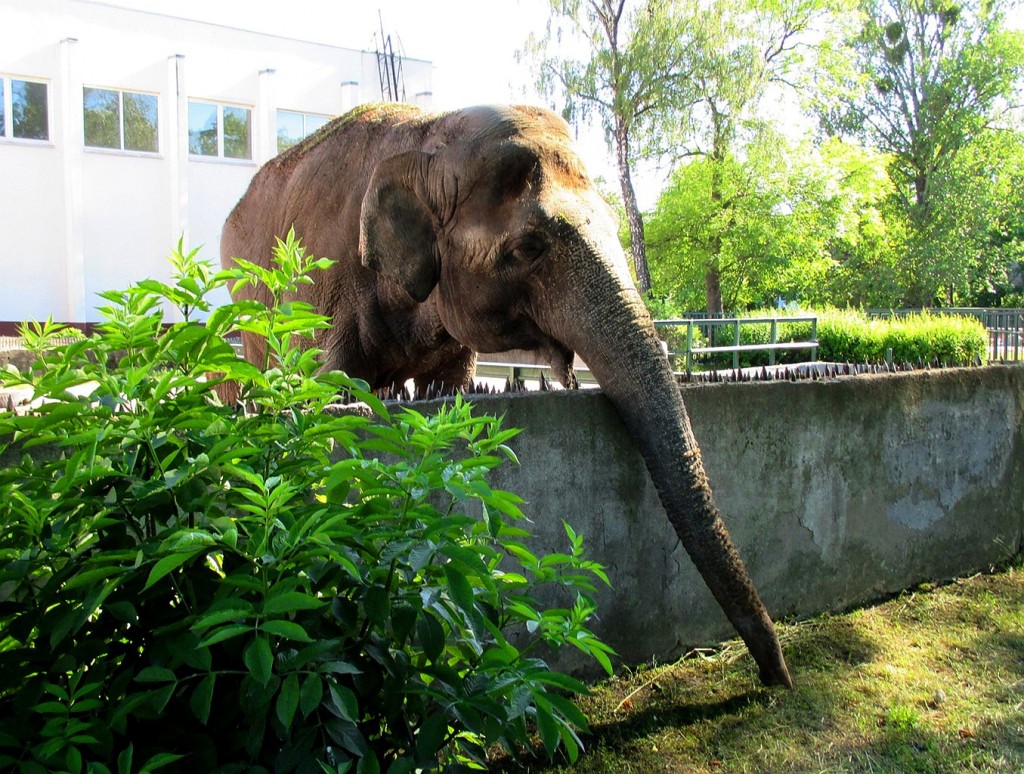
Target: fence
[[709, 328], [524, 370]]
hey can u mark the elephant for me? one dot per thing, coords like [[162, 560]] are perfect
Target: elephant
[[479, 230]]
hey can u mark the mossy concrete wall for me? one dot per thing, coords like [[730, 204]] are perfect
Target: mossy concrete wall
[[835, 492]]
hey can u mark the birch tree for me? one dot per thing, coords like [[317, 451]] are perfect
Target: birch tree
[[623, 64]]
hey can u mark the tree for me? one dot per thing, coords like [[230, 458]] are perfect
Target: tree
[[974, 239], [631, 63], [739, 49], [920, 79], [800, 224]]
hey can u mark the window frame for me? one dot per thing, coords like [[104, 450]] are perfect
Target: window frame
[[121, 149], [7, 109], [219, 108], [306, 115]]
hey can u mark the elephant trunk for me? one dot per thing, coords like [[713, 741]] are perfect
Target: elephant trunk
[[623, 351]]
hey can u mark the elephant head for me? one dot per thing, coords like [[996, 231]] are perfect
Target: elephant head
[[504, 232]]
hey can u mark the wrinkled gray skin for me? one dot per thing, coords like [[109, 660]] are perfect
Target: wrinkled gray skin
[[479, 231]]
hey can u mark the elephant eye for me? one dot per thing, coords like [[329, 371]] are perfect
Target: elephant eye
[[529, 248]]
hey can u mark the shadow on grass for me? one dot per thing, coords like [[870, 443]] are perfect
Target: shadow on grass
[[618, 736], [707, 703], [929, 681]]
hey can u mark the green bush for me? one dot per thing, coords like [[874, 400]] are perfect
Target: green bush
[[844, 336], [269, 585], [850, 336]]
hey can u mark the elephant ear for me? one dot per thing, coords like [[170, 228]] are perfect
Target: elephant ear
[[397, 237]]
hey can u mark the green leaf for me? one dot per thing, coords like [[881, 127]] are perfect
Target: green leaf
[[558, 680], [124, 760], [338, 484], [340, 668], [73, 758], [153, 674], [377, 605], [224, 633], [167, 565], [569, 710], [368, 764], [344, 703], [217, 617], [432, 735], [90, 577], [571, 742], [287, 629], [290, 601], [288, 700], [402, 766], [160, 760], [403, 618], [202, 698], [50, 708], [311, 694], [430, 634], [159, 697], [547, 724], [460, 591], [194, 539], [259, 660]]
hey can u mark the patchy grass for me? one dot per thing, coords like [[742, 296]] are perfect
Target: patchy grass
[[931, 681]]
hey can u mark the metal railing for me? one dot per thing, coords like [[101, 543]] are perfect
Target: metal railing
[[514, 372], [527, 372], [709, 329]]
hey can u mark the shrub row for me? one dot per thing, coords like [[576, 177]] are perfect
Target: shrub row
[[850, 336], [843, 336]]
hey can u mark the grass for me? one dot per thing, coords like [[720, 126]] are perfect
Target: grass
[[931, 681]]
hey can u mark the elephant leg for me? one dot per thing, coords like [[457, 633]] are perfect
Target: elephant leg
[[255, 348], [449, 374]]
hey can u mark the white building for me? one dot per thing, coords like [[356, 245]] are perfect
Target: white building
[[122, 131]]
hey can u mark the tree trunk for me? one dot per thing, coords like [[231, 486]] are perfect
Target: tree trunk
[[713, 290], [719, 151], [633, 214]]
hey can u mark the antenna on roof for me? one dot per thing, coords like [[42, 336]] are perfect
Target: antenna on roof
[[389, 68]]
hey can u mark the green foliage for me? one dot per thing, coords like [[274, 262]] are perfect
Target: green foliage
[[927, 213], [796, 222], [922, 82], [268, 585], [975, 236]]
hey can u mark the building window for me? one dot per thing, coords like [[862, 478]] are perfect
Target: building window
[[293, 127], [219, 131], [24, 109], [120, 120]]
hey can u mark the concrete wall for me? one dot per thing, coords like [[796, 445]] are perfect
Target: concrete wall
[[836, 493]]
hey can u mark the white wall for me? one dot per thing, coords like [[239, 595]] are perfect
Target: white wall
[[74, 220]]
